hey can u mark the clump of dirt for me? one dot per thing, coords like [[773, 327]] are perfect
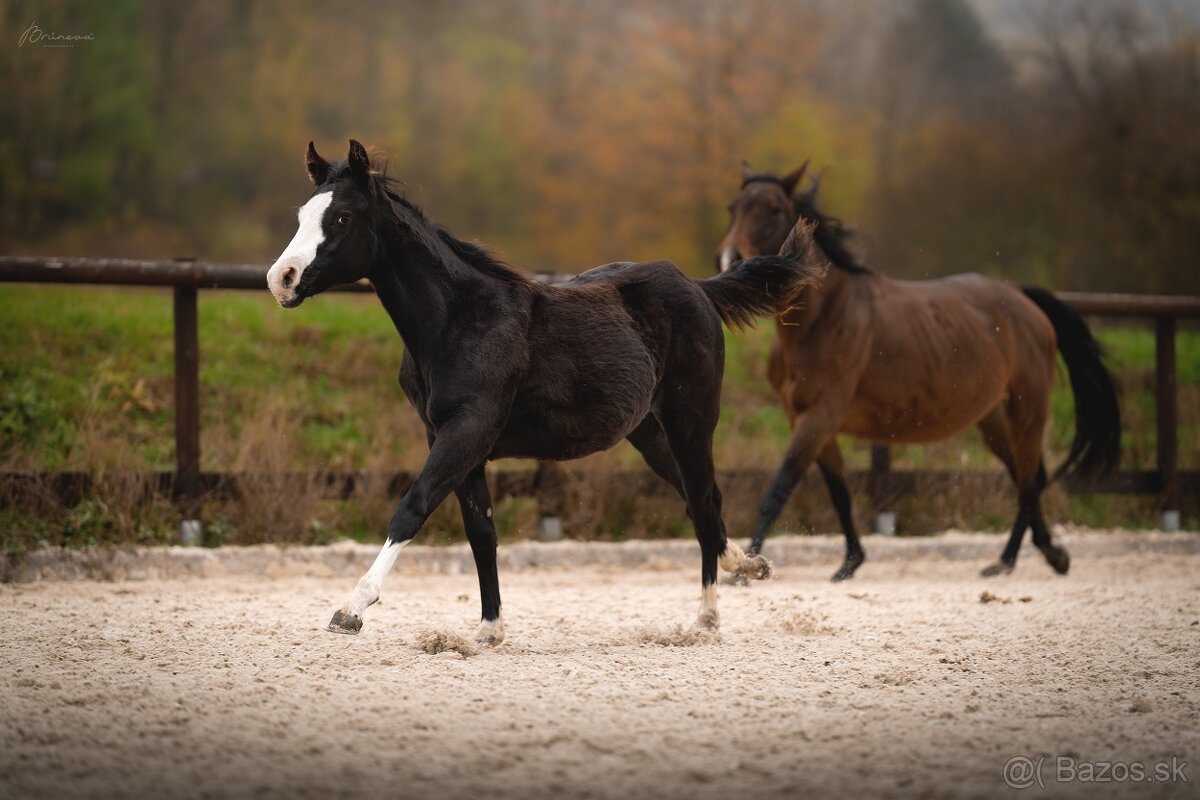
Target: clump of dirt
[[805, 623], [434, 641], [897, 677], [987, 597], [677, 636]]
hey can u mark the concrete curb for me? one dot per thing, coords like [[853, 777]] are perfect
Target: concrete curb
[[349, 559]]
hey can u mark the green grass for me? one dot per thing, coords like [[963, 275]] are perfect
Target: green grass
[[86, 383]]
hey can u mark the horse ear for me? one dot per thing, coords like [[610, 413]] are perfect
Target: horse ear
[[790, 180], [814, 182], [747, 170], [360, 162], [318, 168]]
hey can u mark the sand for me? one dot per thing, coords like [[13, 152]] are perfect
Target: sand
[[908, 681]]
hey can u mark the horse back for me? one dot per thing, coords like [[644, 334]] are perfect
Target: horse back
[[916, 361], [603, 343]]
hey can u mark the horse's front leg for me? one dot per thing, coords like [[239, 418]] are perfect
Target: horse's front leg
[[458, 448], [475, 502]]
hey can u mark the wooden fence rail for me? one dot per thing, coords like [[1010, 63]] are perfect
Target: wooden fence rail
[[188, 484]]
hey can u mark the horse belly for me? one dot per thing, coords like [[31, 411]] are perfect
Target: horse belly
[[596, 414], [919, 418]]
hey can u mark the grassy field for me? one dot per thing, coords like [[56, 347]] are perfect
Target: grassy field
[[86, 384]]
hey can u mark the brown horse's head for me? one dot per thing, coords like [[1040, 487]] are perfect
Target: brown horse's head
[[761, 216]]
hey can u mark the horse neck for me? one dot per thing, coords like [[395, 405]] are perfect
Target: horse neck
[[417, 279], [833, 289]]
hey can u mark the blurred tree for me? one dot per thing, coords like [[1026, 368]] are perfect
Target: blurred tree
[[570, 132]]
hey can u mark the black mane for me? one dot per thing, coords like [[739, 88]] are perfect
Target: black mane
[[473, 254]]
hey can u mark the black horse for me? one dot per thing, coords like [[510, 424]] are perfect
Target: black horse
[[498, 365]]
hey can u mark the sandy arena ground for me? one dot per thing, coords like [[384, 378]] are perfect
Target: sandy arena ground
[[900, 683]]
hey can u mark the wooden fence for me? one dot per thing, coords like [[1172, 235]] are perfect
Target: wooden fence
[[187, 483]]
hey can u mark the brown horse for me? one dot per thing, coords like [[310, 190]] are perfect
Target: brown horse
[[918, 361]]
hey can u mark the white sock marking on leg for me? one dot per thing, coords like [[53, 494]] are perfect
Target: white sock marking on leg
[[709, 617], [370, 585], [708, 598], [491, 631]]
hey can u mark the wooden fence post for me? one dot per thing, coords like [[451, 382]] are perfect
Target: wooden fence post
[[1167, 419], [884, 520], [187, 404]]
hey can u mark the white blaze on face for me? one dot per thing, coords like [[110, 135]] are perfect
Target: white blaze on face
[[727, 258], [284, 275]]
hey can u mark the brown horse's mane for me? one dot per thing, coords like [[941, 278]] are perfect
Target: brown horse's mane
[[829, 232]]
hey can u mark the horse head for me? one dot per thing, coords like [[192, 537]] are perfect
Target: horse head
[[337, 240], [760, 216]]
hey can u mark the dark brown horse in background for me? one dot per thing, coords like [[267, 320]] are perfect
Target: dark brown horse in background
[[918, 361]]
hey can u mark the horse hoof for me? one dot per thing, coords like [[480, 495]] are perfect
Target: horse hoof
[[344, 623], [709, 620], [756, 568], [849, 566], [1058, 559], [999, 568], [490, 633]]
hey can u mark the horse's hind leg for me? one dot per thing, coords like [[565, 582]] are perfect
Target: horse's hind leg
[[689, 436], [651, 441], [1055, 555], [833, 471], [1021, 454], [475, 502]]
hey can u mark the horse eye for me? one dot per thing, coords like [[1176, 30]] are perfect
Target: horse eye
[[343, 218]]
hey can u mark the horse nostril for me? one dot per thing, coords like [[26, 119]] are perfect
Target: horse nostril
[[289, 277]]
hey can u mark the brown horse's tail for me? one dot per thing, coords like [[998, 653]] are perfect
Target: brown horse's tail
[[1097, 445], [765, 286]]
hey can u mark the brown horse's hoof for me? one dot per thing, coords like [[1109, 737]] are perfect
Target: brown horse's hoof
[[756, 568], [1058, 559], [344, 623], [999, 568], [846, 571]]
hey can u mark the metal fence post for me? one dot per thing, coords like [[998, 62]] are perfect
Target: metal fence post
[[549, 483], [1167, 420]]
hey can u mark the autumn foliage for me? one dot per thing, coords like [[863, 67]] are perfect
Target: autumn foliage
[[1038, 141]]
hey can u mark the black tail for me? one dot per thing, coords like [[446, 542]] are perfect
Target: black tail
[[1097, 444], [765, 285]]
